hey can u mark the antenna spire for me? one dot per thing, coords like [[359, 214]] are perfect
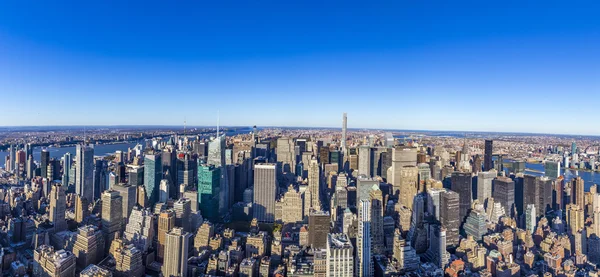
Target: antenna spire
[[218, 118]]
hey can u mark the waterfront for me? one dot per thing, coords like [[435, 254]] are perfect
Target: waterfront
[[589, 177], [58, 152]]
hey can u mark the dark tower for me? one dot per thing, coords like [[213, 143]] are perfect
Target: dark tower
[[487, 159], [462, 183]]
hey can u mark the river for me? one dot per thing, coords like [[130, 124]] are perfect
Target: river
[[58, 152]]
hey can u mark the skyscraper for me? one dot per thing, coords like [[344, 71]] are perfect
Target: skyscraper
[[182, 208], [449, 216], [401, 156], [314, 184], [152, 177], [504, 193], [100, 177], [166, 222], [84, 171], [286, 154], [484, 185], [340, 256], [89, 246], [209, 179], [140, 229], [377, 241], [112, 214], [318, 226], [58, 205], [50, 263], [530, 218], [409, 183], [365, 159], [44, 161], [67, 160], [577, 192], [216, 157], [364, 264], [552, 169], [176, 253], [265, 191], [128, 195], [487, 158], [462, 184]]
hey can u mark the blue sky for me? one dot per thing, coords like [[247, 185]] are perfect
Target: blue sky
[[435, 65]]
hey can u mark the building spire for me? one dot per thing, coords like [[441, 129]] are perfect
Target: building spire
[[218, 117]]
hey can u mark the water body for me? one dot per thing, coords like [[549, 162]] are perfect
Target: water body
[[590, 178], [108, 149], [58, 152]]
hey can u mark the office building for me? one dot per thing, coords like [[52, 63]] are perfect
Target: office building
[[484, 185], [135, 175], [409, 185], [377, 236], [530, 218], [314, 185], [552, 169], [450, 216], [209, 179], [475, 224], [318, 226], [95, 271], [152, 176], [50, 263], [286, 156], [166, 222], [577, 192], [81, 209], [340, 256], [401, 156], [67, 161], [128, 195], [112, 214], [164, 191], [176, 253], [487, 158], [84, 171], [128, 259], [140, 229], [183, 209], [504, 193], [89, 246], [101, 177], [364, 264], [44, 161], [365, 160], [292, 211], [265, 191], [462, 184], [58, 206]]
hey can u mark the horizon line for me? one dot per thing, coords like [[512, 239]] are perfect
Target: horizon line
[[299, 127]]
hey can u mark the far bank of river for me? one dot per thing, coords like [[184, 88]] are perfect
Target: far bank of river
[[589, 177], [58, 152]]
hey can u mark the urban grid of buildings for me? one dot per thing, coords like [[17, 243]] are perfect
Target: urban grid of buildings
[[300, 202]]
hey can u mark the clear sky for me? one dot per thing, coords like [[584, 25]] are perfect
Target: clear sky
[[525, 66]]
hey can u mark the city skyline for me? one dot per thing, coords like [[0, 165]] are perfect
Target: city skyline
[[485, 67]]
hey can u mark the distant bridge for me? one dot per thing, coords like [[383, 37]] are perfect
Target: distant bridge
[[534, 171]]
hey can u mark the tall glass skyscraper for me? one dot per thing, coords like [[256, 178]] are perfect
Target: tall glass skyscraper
[[152, 176], [209, 178], [67, 160], [84, 172], [216, 157]]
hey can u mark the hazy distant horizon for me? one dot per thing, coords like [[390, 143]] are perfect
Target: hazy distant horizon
[[288, 127]]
